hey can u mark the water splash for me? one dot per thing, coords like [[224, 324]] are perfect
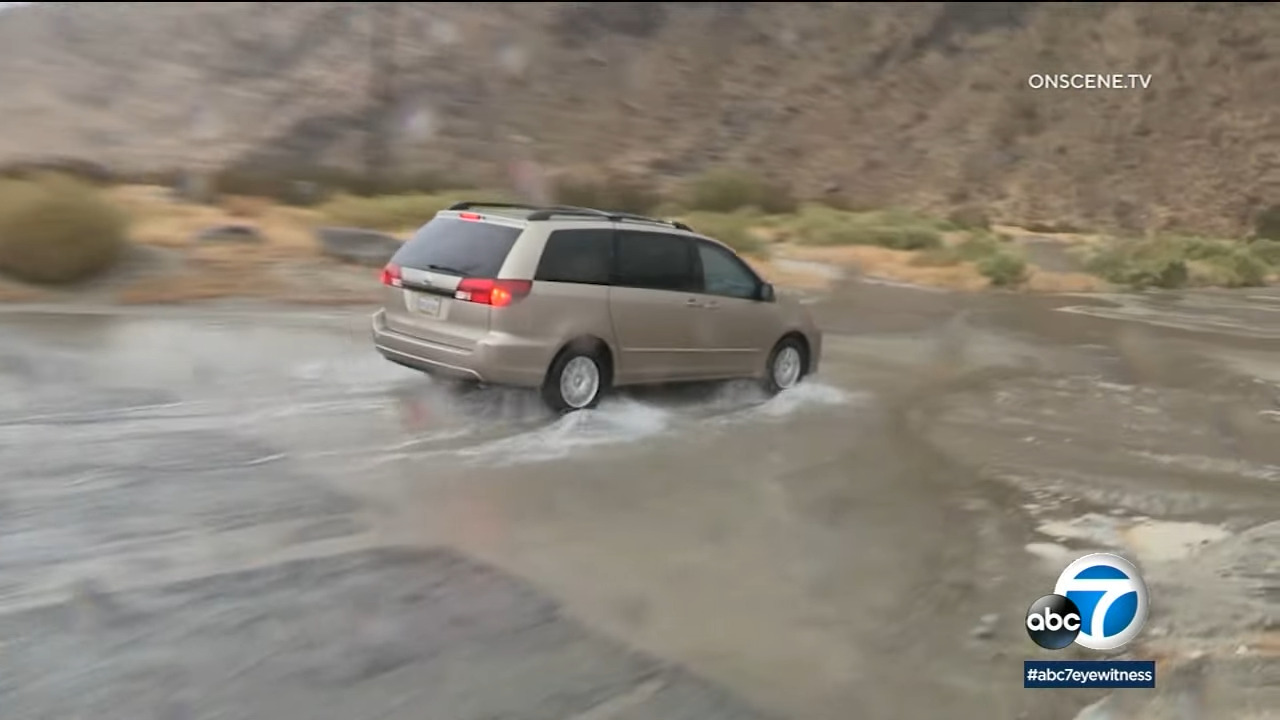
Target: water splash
[[613, 422]]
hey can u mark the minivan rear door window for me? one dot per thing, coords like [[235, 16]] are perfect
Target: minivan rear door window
[[466, 248]]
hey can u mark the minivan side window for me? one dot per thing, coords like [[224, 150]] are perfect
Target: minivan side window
[[655, 261], [577, 256], [723, 273]]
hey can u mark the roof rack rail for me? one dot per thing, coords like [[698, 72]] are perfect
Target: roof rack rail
[[546, 212], [468, 204], [569, 210]]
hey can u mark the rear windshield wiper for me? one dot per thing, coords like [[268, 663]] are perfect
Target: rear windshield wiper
[[447, 269]]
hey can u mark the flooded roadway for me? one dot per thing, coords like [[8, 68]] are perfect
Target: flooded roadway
[[244, 513]]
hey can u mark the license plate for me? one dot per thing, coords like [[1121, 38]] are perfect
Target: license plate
[[429, 304]]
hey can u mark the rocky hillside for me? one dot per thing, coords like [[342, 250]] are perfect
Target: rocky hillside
[[916, 103]]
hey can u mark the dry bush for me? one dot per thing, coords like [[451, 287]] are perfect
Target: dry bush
[[1169, 261], [617, 193], [895, 229], [970, 217], [737, 230], [1003, 268], [246, 206], [1268, 251], [893, 264], [56, 230], [727, 190], [387, 212]]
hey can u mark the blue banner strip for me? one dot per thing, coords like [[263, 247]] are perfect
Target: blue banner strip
[[1089, 673]]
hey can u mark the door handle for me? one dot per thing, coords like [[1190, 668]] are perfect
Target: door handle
[[692, 302], [711, 305]]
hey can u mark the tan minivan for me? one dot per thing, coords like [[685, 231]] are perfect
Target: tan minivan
[[574, 301]]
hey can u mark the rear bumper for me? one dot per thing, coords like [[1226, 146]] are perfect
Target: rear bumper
[[491, 361]]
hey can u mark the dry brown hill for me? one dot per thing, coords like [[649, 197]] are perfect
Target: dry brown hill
[[920, 103]]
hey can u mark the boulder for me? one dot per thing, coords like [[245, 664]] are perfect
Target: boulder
[[356, 245]]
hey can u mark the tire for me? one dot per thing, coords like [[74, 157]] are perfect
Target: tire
[[787, 365], [576, 380]]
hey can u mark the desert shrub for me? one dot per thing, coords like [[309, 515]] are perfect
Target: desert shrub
[[1139, 264], [970, 217], [1172, 262], [1268, 251], [57, 230], [1052, 227], [726, 190], [620, 194], [899, 230], [972, 249], [85, 171], [1267, 223], [385, 212], [1243, 269], [244, 206], [837, 201], [732, 229], [1003, 268]]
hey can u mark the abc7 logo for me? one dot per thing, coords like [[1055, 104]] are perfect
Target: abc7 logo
[[1099, 602]]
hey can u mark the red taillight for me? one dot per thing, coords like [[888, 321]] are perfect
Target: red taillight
[[391, 275], [469, 216], [498, 293]]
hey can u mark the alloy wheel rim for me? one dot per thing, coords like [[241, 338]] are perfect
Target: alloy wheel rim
[[579, 382], [786, 367]]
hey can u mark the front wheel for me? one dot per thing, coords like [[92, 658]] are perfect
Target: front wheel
[[786, 366], [575, 381]]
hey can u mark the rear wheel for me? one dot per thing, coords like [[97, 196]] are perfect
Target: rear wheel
[[786, 365], [575, 381]]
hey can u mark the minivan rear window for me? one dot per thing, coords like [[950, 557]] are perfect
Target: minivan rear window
[[460, 247]]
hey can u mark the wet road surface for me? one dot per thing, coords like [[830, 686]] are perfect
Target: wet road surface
[[243, 513]]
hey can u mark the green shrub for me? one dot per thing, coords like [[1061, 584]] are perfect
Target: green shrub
[[1173, 262], [56, 230], [896, 229], [1241, 269], [972, 249], [1139, 265], [386, 212], [727, 190], [732, 229], [1003, 269], [620, 194], [1223, 263], [1268, 251]]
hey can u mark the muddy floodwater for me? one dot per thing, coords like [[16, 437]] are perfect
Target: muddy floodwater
[[234, 512]]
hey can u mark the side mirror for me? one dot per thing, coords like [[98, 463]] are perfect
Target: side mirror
[[765, 293]]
